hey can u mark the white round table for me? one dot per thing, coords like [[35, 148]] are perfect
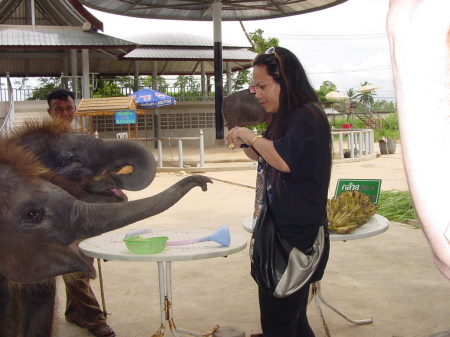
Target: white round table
[[110, 246], [376, 225]]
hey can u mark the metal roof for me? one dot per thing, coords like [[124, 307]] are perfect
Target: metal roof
[[201, 10], [43, 50], [26, 51], [180, 54], [166, 39], [46, 13], [13, 36]]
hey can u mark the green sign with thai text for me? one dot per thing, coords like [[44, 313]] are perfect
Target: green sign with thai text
[[370, 187], [126, 117]]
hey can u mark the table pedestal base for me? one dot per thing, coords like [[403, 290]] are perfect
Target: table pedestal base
[[165, 298], [317, 293]]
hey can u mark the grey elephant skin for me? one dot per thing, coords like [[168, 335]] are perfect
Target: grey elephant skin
[[41, 220], [87, 161], [242, 109]]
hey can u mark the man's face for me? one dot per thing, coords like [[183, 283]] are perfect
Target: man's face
[[62, 109]]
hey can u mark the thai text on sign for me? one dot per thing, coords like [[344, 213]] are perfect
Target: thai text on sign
[[370, 187], [126, 117]]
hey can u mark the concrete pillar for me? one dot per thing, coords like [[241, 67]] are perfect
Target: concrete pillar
[[86, 92], [229, 82], [203, 80], [136, 75], [154, 75]]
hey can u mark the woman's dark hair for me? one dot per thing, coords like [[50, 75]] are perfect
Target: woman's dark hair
[[295, 89]]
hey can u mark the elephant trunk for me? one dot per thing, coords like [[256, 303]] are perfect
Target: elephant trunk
[[88, 220], [122, 152]]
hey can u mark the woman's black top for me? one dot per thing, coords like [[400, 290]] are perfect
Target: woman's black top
[[299, 199]]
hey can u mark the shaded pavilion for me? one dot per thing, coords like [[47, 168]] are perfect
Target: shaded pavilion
[[216, 11], [63, 31], [185, 53]]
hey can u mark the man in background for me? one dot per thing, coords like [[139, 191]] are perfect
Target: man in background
[[82, 307], [61, 104]]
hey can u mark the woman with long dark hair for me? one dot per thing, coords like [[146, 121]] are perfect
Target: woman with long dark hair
[[294, 155]]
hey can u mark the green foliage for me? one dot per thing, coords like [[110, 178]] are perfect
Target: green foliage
[[45, 86], [390, 128], [261, 43], [241, 79], [396, 206], [188, 96], [366, 98], [187, 83], [383, 106], [325, 88], [351, 93], [112, 86], [147, 82]]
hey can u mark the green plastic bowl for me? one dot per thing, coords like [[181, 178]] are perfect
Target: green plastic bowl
[[138, 245]]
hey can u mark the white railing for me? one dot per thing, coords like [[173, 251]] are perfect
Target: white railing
[[359, 142], [9, 119], [159, 140]]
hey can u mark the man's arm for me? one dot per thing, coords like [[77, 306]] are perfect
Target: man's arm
[[419, 37]]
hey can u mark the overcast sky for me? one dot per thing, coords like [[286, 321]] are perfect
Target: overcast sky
[[346, 44]]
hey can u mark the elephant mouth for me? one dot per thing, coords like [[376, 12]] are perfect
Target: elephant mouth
[[116, 194], [83, 263]]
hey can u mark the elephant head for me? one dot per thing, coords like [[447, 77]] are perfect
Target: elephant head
[[87, 161], [242, 109], [40, 222]]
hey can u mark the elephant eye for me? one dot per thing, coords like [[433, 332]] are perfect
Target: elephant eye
[[64, 159], [64, 162], [34, 215]]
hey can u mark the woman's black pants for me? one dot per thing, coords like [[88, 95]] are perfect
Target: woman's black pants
[[285, 317]]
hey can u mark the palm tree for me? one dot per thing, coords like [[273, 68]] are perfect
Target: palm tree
[[351, 93], [366, 98]]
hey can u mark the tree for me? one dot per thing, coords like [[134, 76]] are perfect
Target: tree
[[351, 93], [186, 83], [261, 43], [44, 87], [189, 87], [325, 88], [113, 86], [366, 98], [384, 106], [243, 78], [147, 82]]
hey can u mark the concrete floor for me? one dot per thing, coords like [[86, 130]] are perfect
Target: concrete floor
[[390, 278]]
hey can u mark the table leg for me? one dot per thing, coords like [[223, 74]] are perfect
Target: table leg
[[316, 290], [165, 298]]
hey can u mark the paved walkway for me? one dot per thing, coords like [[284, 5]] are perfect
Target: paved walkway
[[390, 278]]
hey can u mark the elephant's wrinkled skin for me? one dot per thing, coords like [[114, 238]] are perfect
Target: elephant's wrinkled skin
[[87, 161], [242, 109], [40, 223]]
